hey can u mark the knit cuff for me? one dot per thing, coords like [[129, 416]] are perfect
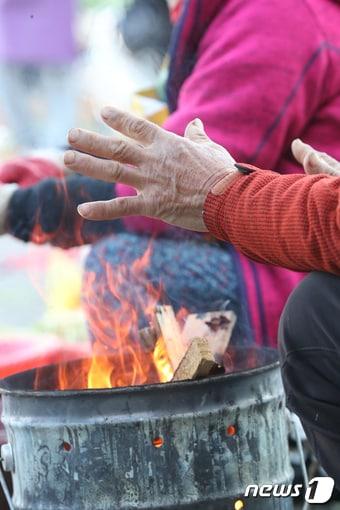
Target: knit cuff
[[211, 213]]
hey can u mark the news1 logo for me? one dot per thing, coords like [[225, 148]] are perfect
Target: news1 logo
[[319, 490]]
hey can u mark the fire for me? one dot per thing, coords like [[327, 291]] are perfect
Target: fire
[[161, 360], [114, 300], [99, 375]]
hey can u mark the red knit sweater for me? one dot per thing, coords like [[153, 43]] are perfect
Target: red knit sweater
[[287, 220]]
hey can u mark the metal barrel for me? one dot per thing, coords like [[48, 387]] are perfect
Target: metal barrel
[[186, 445]]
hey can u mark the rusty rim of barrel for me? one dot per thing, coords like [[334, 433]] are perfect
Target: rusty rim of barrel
[[270, 363]]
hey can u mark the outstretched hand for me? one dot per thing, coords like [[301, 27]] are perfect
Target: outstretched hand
[[172, 174]]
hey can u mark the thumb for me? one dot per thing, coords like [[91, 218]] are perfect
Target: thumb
[[313, 164], [195, 132], [310, 159], [300, 150]]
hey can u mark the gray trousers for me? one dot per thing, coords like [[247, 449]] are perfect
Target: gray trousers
[[310, 355]]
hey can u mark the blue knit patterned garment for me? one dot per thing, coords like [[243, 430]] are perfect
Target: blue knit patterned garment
[[195, 274]]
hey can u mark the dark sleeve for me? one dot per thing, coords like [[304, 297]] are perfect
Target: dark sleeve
[[47, 212]]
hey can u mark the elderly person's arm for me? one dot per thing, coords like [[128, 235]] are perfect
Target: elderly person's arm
[[292, 220], [44, 210], [47, 212], [38, 203]]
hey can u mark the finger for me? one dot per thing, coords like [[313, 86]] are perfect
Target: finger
[[195, 132], [106, 147], [103, 169], [300, 150], [113, 209], [139, 129], [313, 161], [331, 161], [315, 164]]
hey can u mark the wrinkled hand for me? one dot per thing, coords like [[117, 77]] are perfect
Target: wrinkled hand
[[313, 161], [172, 175]]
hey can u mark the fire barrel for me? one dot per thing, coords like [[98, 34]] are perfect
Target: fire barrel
[[187, 445]]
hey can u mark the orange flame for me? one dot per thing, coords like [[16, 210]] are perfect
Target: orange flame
[[113, 306], [162, 362]]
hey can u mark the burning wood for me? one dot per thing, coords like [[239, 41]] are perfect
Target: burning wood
[[171, 333], [198, 361], [195, 351], [216, 327], [113, 309]]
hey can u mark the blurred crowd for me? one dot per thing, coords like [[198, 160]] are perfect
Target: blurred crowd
[[49, 49]]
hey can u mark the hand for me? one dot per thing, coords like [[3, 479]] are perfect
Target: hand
[[313, 161], [6, 192], [172, 175]]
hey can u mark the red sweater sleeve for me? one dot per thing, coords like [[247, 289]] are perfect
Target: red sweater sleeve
[[287, 220]]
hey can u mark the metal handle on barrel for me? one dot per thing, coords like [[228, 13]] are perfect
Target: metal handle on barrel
[[6, 464], [293, 422]]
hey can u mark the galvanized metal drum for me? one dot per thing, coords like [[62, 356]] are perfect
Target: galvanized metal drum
[[187, 445]]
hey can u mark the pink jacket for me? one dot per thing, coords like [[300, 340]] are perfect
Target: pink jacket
[[266, 72]]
